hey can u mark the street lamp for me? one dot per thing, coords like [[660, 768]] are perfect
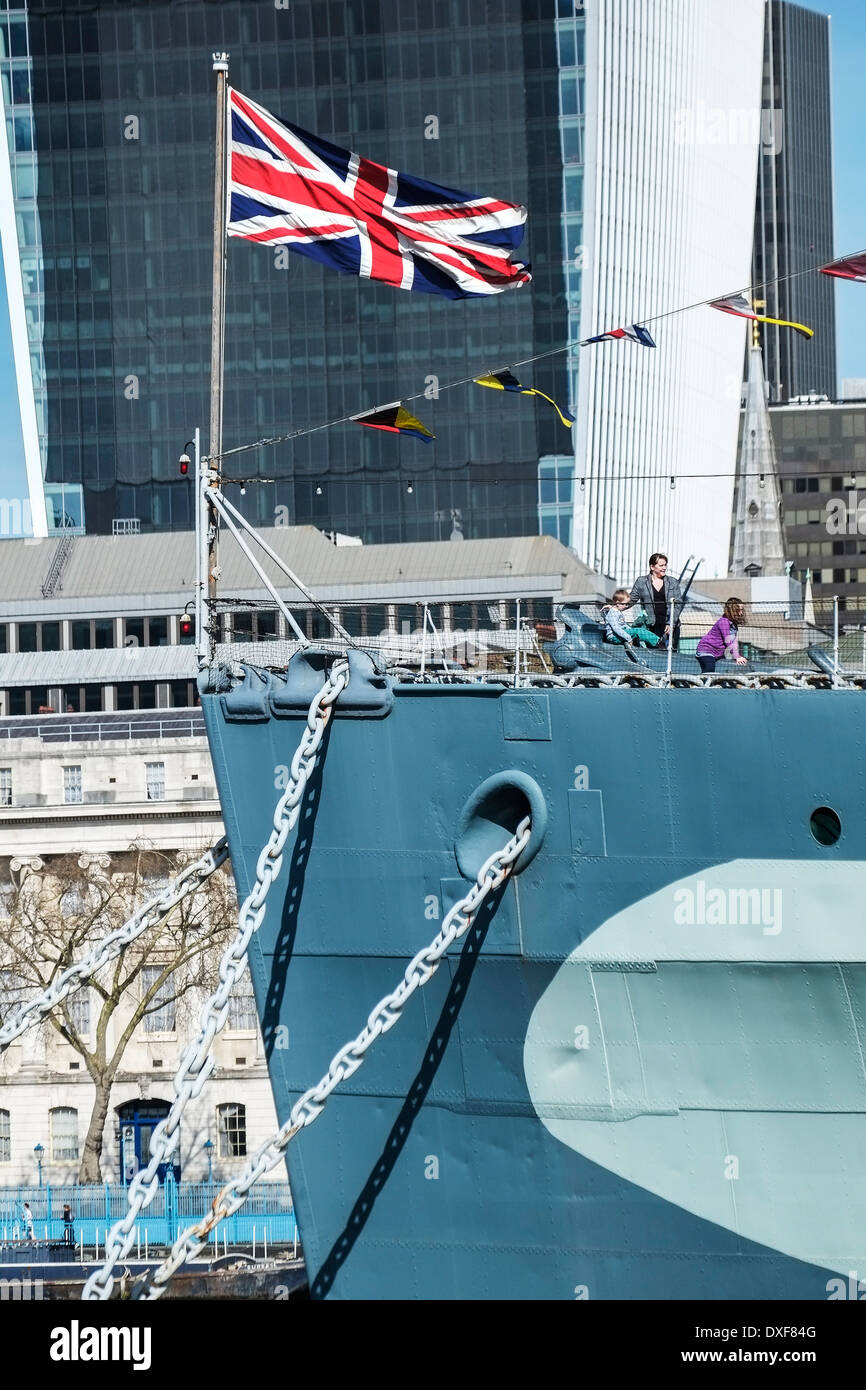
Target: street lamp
[[188, 468], [208, 1148], [39, 1151]]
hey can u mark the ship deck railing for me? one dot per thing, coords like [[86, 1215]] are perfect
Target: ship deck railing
[[520, 640]]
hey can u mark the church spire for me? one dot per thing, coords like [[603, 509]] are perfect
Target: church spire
[[759, 540]]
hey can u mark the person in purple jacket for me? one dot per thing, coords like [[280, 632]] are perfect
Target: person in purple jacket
[[721, 640]]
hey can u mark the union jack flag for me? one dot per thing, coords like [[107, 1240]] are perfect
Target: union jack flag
[[361, 218]]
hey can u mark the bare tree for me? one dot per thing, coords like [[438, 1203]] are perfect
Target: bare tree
[[55, 912]]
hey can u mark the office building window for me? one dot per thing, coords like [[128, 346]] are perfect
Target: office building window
[[155, 774], [555, 494], [88, 633], [5, 786], [78, 698], [5, 1138], [130, 696], [71, 785], [232, 1130], [266, 624], [161, 1015], [181, 694], [146, 632], [73, 902], [134, 632], [79, 1012], [242, 1010], [64, 1134], [81, 636]]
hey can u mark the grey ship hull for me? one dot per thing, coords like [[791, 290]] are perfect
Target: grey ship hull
[[641, 1076]]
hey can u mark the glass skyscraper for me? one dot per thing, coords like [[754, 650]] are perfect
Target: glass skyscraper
[[110, 116], [794, 215]]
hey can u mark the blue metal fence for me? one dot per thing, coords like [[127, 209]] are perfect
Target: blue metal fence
[[268, 1214]]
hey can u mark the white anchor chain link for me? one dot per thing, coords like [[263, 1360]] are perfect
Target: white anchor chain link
[[197, 1061], [111, 946], [346, 1062]]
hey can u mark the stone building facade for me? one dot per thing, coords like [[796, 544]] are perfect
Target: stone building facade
[[89, 798]]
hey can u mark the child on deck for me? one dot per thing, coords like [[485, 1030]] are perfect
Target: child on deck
[[617, 629], [721, 640]]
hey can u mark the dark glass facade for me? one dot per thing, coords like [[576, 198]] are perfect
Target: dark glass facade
[[110, 110], [794, 214]]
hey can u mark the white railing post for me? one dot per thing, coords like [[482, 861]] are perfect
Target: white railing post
[[835, 639], [517, 646], [670, 638], [424, 641]]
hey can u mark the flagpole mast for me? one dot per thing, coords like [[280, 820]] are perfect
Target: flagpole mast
[[211, 520]]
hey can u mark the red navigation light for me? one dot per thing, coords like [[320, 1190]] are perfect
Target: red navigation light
[[184, 465], [187, 628]]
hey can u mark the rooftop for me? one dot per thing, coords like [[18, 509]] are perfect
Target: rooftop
[[124, 574]]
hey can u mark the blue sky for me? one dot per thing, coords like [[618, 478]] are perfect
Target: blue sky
[[848, 37]]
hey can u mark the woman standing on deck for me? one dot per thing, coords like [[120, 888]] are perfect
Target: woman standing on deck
[[655, 592], [721, 640]]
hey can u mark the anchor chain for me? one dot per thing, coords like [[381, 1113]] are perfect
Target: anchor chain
[[492, 874], [197, 1061], [111, 946]]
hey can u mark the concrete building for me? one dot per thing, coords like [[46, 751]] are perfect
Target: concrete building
[[72, 784], [673, 94], [821, 449], [106, 782]]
